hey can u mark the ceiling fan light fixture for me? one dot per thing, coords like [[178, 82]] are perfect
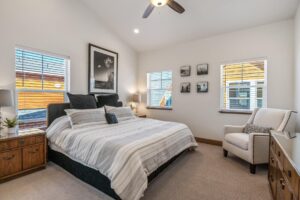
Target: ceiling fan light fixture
[[159, 3]]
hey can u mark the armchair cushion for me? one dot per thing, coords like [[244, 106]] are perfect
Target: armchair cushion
[[240, 140], [268, 117], [251, 128], [233, 129]]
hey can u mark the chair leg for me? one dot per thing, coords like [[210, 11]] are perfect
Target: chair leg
[[252, 169], [225, 153]]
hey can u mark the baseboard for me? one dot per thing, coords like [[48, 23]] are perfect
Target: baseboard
[[209, 141]]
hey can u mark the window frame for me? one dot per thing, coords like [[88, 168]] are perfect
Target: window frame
[[265, 87], [46, 53], [149, 90]]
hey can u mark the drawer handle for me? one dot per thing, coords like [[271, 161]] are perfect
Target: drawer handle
[[289, 173], [9, 158], [282, 182], [272, 142], [278, 153], [272, 159]]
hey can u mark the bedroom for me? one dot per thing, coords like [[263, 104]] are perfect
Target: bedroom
[[193, 51]]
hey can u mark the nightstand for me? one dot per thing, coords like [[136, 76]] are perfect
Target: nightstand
[[141, 115], [21, 153]]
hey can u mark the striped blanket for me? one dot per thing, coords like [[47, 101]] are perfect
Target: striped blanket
[[126, 152]]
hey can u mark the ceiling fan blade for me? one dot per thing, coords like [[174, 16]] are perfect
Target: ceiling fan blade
[[176, 6], [148, 11]]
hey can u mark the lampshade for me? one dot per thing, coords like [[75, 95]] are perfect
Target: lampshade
[[136, 98], [5, 98]]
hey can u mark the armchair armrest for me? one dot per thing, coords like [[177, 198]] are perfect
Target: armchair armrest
[[233, 129], [259, 147]]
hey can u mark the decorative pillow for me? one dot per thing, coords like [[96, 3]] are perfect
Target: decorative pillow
[[86, 117], [111, 118], [109, 100], [79, 101], [122, 113], [251, 128]]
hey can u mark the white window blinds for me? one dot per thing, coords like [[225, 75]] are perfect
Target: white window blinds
[[40, 80], [159, 89], [243, 85]]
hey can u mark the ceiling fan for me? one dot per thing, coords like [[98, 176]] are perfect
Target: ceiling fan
[[159, 3]]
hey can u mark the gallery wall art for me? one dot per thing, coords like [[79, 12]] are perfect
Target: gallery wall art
[[201, 86]]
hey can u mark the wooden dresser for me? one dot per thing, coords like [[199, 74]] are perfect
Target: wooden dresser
[[22, 153], [284, 167]]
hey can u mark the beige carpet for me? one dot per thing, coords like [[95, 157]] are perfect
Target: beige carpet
[[201, 175]]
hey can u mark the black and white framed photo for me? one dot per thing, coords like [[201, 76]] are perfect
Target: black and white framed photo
[[202, 69], [185, 87], [202, 87], [103, 70], [185, 70]]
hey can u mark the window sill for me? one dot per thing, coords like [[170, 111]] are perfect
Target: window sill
[[159, 108], [244, 112]]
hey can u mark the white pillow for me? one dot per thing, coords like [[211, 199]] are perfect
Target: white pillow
[[86, 117], [122, 113]]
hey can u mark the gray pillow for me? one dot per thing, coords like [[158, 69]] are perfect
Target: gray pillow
[[122, 113], [86, 117], [251, 128]]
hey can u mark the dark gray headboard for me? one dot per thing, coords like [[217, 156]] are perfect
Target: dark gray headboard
[[55, 111]]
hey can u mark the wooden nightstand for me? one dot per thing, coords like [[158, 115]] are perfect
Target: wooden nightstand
[[22, 153], [141, 115]]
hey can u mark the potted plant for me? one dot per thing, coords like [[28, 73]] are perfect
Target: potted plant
[[11, 124]]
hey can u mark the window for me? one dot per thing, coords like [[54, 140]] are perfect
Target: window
[[159, 85], [243, 85], [41, 79]]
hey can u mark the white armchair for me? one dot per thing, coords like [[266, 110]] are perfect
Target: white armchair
[[254, 147]]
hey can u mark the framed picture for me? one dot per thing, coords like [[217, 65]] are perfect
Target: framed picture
[[103, 70], [185, 70], [202, 69], [185, 87], [202, 87]]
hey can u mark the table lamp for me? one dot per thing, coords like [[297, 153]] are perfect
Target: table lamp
[[5, 101], [136, 99]]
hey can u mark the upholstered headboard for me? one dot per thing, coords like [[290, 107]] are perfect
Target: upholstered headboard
[[55, 111]]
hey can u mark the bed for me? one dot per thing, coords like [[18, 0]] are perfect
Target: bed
[[121, 159]]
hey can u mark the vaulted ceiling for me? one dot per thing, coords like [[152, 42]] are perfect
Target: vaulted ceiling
[[202, 18]]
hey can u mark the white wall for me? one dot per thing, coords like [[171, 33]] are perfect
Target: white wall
[[63, 27], [200, 111], [297, 66]]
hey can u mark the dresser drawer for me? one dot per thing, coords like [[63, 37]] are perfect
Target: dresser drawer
[[279, 155], [10, 163], [40, 139], [282, 190], [273, 144], [33, 156], [31, 140], [272, 160], [272, 173], [7, 145], [291, 175]]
